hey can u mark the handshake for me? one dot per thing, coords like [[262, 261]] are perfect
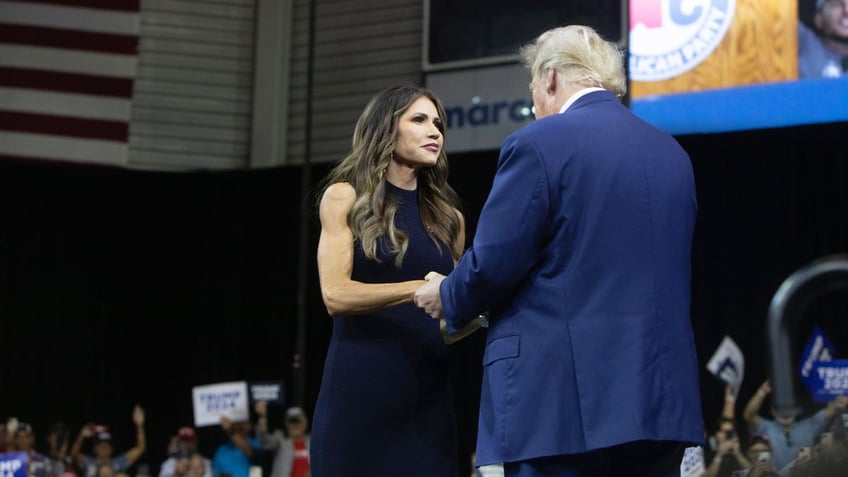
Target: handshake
[[427, 297]]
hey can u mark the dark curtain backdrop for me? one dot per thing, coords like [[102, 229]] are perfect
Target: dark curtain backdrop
[[120, 287]]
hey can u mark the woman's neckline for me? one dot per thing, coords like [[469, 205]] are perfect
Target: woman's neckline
[[401, 189]]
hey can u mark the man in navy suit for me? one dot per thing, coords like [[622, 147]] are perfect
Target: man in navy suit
[[582, 259]]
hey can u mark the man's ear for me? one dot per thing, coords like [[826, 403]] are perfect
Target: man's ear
[[551, 81]]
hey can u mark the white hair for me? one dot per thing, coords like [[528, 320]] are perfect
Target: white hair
[[579, 55]]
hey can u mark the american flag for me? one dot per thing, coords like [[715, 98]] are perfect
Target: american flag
[[66, 78]]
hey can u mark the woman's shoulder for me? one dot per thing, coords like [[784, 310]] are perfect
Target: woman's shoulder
[[339, 190], [337, 198], [339, 193]]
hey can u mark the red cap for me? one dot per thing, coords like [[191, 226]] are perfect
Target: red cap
[[186, 433]]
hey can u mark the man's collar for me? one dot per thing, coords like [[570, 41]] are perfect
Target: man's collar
[[574, 97]]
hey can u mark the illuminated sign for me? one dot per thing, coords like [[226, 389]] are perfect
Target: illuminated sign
[[670, 37], [483, 106]]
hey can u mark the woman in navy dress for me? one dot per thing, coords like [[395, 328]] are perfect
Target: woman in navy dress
[[388, 217]]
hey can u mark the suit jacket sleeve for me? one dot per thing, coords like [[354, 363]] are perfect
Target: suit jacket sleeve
[[510, 233]]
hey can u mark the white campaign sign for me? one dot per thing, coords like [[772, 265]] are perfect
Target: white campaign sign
[[222, 399], [728, 364], [693, 462]]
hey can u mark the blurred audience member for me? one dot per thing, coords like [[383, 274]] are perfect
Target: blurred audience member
[[57, 447], [291, 448], [234, 456], [102, 447], [786, 434], [759, 455], [185, 448], [39, 465], [830, 455], [199, 466], [727, 457], [106, 470]]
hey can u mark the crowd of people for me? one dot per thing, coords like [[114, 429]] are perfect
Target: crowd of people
[[766, 445], [246, 449], [777, 445]]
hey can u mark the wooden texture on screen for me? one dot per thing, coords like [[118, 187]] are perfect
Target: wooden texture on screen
[[761, 46]]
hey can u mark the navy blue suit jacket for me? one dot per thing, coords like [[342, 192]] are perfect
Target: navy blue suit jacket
[[582, 255]]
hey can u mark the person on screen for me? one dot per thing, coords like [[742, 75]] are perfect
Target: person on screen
[[388, 216], [823, 52], [582, 257]]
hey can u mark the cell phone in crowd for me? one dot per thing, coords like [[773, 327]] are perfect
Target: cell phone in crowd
[[763, 456]]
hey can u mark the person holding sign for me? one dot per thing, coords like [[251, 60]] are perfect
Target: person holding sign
[[786, 434], [235, 456], [583, 258], [388, 216]]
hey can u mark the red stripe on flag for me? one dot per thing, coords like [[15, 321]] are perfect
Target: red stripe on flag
[[68, 39], [66, 82], [64, 126], [122, 5]]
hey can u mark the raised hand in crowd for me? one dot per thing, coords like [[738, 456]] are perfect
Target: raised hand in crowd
[[103, 451]]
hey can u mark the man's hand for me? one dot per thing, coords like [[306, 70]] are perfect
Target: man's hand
[[428, 298]]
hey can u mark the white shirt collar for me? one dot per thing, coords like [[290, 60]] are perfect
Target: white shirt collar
[[574, 97]]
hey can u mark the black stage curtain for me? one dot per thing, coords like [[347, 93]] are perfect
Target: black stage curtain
[[120, 287]]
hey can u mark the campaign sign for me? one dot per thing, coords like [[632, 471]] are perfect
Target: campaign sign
[[271, 392], [829, 379], [693, 462], [819, 348], [728, 364], [13, 464], [222, 399]]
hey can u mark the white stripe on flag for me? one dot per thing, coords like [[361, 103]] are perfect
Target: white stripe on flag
[[68, 61], [56, 147], [65, 104], [70, 18]]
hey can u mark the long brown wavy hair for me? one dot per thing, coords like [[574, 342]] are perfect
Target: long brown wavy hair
[[373, 213]]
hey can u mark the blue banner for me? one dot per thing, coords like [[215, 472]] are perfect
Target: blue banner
[[818, 349], [829, 379]]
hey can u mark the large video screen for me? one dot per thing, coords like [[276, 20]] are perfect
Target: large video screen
[[472, 33], [695, 66], [703, 66]]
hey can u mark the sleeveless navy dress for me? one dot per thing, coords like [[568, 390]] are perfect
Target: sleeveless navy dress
[[385, 405]]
